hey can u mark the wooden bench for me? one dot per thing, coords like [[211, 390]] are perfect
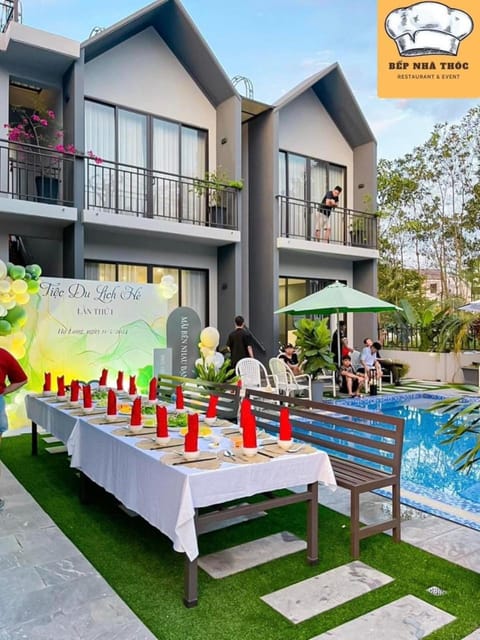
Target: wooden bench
[[365, 450], [197, 392]]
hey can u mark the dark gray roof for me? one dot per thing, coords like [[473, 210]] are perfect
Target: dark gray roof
[[333, 91], [176, 28]]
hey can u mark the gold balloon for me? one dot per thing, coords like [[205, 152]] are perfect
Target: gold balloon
[[19, 286], [22, 298]]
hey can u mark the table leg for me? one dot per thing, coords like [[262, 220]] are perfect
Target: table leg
[[85, 489], [190, 598], [34, 439], [312, 524]]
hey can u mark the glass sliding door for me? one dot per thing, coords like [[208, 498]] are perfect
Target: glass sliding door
[[193, 165], [101, 178], [297, 188], [166, 159], [132, 151]]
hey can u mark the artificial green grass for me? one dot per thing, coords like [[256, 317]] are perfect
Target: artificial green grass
[[140, 564]]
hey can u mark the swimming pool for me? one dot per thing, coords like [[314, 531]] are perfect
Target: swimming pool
[[429, 479]]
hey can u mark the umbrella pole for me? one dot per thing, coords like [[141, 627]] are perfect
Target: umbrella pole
[[339, 356]]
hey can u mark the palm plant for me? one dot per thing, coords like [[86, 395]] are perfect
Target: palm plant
[[464, 422], [313, 341]]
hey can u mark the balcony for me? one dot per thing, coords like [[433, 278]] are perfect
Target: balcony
[[135, 191], [9, 12], [299, 219], [36, 174]]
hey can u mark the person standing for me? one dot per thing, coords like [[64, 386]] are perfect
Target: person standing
[[12, 377], [337, 340], [322, 219], [239, 342]]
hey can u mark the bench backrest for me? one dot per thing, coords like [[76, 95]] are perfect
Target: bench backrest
[[371, 439], [197, 392]]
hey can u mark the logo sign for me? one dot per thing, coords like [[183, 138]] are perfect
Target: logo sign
[[183, 334], [428, 49]]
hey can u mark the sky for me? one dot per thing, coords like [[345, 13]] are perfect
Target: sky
[[276, 44]]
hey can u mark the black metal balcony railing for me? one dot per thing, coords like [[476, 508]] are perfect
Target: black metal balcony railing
[[126, 189], [38, 174], [8, 13], [408, 337], [305, 220]]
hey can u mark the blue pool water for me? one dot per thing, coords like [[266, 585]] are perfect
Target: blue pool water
[[428, 468]]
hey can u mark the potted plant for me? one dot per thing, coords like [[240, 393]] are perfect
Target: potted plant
[[215, 186], [36, 131], [313, 342]]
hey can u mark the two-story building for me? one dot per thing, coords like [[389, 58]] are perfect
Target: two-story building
[[160, 142]]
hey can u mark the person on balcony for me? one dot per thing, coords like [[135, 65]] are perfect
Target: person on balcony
[[322, 218]]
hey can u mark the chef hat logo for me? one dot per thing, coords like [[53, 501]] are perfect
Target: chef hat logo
[[428, 28]]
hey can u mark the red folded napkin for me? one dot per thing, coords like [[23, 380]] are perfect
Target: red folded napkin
[[136, 417], [152, 389], [285, 424], [120, 381], [74, 390], [245, 410], [47, 384], [132, 387], [103, 378], [111, 403], [249, 431], [162, 421], [60, 385], [87, 397], [191, 437], [179, 403], [212, 407]]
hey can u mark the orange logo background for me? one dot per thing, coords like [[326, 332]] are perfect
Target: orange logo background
[[429, 76]]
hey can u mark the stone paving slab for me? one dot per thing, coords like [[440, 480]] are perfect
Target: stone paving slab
[[408, 618], [251, 554], [62, 449], [473, 636], [48, 589], [313, 596], [51, 440]]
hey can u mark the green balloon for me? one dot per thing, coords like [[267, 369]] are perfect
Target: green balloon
[[34, 270], [5, 328], [16, 317], [17, 272], [33, 286]]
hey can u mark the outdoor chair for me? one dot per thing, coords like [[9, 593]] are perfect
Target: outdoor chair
[[286, 382], [357, 364], [329, 377], [253, 374]]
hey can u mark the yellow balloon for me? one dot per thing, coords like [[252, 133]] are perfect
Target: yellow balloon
[[22, 298], [3, 269], [210, 337], [19, 286], [18, 337], [5, 286], [10, 304]]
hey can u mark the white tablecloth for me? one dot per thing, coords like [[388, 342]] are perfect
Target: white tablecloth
[[167, 496], [53, 418]]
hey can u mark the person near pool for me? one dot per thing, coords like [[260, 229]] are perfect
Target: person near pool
[[351, 382], [289, 356], [322, 217], [12, 377], [239, 342]]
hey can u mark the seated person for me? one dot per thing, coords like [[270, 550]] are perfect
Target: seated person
[[351, 382], [346, 350], [368, 358], [388, 365], [289, 356]]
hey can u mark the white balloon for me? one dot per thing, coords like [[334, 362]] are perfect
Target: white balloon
[[218, 360], [3, 269]]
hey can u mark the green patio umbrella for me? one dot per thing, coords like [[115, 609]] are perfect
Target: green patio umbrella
[[337, 298]]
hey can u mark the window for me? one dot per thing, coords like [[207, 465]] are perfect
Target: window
[[153, 155], [291, 290], [192, 283]]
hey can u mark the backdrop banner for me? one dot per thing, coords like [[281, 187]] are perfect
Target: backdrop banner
[[76, 328]]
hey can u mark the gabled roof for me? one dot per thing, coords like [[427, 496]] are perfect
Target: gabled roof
[[176, 28], [333, 91]]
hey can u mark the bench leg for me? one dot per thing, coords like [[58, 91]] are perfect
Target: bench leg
[[354, 524], [312, 524], [34, 439], [396, 512]]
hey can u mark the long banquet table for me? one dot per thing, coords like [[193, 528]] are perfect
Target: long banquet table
[[169, 497]]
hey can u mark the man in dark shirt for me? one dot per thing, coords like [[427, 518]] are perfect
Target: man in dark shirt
[[322, 219], [239, 342]]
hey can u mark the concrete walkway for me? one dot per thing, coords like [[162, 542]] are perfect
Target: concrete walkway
[[49, 591]]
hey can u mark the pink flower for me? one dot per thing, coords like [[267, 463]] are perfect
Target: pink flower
[[51, 114], [36, 117], [44, 122]]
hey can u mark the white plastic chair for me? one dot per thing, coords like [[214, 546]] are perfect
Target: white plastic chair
[[286, 382], [331, 377], [253, 374]]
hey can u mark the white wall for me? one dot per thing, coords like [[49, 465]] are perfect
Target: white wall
[[143, 74], [306, 128], [444, 367]]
